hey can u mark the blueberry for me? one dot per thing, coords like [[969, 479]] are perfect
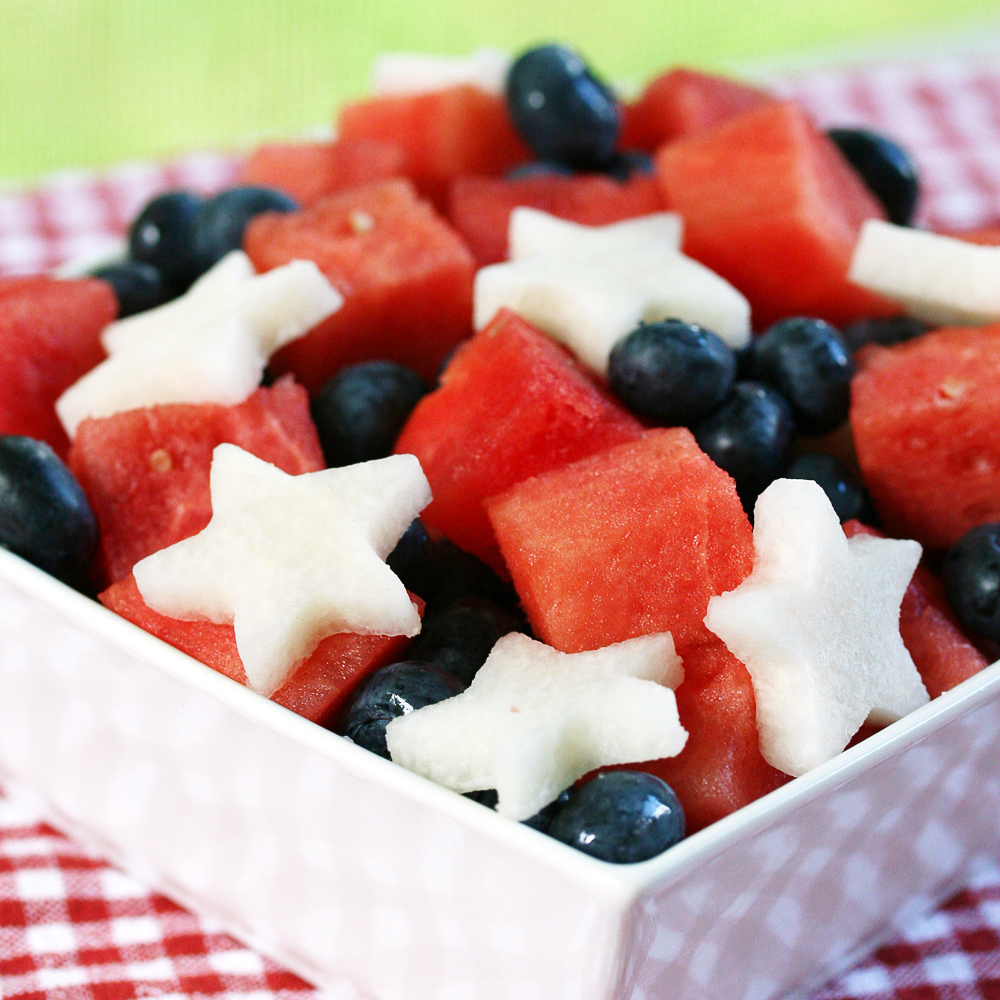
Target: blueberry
[[361, 410], [459, 637], [672, 372], [971, 576], [163, 236], [222, 220], [390, 692], [538, 168], [628, 163], [621, 816], [487, 797], [807, 361], [886, 332], [563, 112], [542, 819], [749, 436], [415, 560], [461, 574], [137, 287], [885, 167], [849, 498], [44, 515]]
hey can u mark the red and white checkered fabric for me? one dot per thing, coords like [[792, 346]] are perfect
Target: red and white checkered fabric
[[73, 928]]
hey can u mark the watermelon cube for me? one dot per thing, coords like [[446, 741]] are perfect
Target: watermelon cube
[[309, 170], [146, 471], [480, 207], [444, 134], [317, 688], [511, 404], [632, 540], [405, 275], [684, 102], [771, 204], [942, 654], [925, 416], [720, 768], [49, 337]]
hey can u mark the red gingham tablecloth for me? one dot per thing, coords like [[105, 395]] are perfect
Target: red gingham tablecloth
[[74, 928]]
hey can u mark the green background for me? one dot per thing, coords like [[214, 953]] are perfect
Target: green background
[[92, 82]]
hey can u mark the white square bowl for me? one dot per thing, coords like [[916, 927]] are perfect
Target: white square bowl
[[349, 869]]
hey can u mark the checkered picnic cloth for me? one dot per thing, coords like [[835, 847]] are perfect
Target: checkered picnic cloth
[[74, 928]]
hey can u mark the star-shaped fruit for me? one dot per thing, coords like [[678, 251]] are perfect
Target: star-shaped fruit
[[534, 720], [817, 625], [406, 73], [613, 279], [289, 560], [208, 346]]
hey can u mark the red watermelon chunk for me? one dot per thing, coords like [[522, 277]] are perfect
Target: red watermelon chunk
[[931, 633], [480, 207], [309, 170], [720, 768], [49, 338], [511, 404], [925, 416], [146, 471], [770, 204], [319, 685], [446, 134], [405, 275], [684, 102], [632, 540]]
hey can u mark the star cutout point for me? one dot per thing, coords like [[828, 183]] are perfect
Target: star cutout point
[[817, 625]]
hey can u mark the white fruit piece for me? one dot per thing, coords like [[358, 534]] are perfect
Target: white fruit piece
[[208, 346], [406, 73], [589, 286], [937, 279], [817, 625], [533, 233], [289, 560], [534, 720]]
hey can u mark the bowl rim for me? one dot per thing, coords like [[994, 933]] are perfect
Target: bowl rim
[[622, 885]]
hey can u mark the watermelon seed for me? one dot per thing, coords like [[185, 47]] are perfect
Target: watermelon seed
[[361, 222], [160, 460]]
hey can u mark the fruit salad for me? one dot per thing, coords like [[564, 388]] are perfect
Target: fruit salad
[[608, 462]]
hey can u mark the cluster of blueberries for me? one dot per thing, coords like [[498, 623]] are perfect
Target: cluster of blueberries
[[178, 236]]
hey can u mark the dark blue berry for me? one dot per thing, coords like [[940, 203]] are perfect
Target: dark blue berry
[[387, 694], [542, 819], [415, 561], [886, 332], [672, 372], [807, 361], [361, 410], [563, 112], [44, 515], [885, 167], [849, 498], [487, 797], [621, 816], [459, 637], [628, 163], [749, 436], [971, 576], [461, 574], [137, 287], [222, 220], [163, 236], [538, 168]]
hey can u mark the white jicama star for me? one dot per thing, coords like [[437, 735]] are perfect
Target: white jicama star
[[406, 73], [289, 560], [589, 290], [534, 720], [817, 625], [208, 346]]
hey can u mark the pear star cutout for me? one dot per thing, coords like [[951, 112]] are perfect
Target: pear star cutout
[[817, 625], [289, 560], [534, 720], [208, 346], [589, 289]]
